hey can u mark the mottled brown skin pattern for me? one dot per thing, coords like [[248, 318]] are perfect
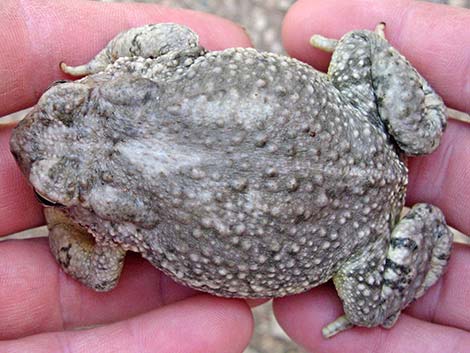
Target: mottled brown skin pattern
[[241, 173]]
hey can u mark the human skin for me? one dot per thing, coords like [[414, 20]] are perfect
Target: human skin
[[431, 37], [31, 285], [39, 305]]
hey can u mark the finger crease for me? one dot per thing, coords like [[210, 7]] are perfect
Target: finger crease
[[60, 298], [63, 341], [134, 331], [439, 299]]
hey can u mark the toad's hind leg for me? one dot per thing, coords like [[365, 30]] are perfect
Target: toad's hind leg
[[380, 82], [378, 283], [150, 41], [97, 266]]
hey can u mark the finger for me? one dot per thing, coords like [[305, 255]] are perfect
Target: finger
[[441, 178], [448, 301], [38, 35], [36, 296], [303, 317], [431, 36], [19, 209], [200, 324]]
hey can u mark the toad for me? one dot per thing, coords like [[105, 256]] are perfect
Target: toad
[[241, 173]]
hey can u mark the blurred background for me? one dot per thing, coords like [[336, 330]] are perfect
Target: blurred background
[[262, 19]]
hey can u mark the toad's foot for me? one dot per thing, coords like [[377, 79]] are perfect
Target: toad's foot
[[380, 29], [323, 43], [150, 41], [378, 283], [379, 81], [329, 44], [95, 265]]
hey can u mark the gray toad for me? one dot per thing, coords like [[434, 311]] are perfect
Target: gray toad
[[241, 173]]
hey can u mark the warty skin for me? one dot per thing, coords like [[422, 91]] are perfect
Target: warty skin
[[241, 173]]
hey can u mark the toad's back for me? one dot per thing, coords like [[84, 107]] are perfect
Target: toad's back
[[256, 179], [241, 173]]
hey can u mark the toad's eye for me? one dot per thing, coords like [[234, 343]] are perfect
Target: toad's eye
[[45, 201], [58, 82]]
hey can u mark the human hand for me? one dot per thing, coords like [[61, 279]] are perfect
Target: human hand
[[40, 306], [432, 38]]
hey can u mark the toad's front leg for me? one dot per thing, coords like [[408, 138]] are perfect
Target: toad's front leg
[[384, 278], [97, 266], [150, 41]]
